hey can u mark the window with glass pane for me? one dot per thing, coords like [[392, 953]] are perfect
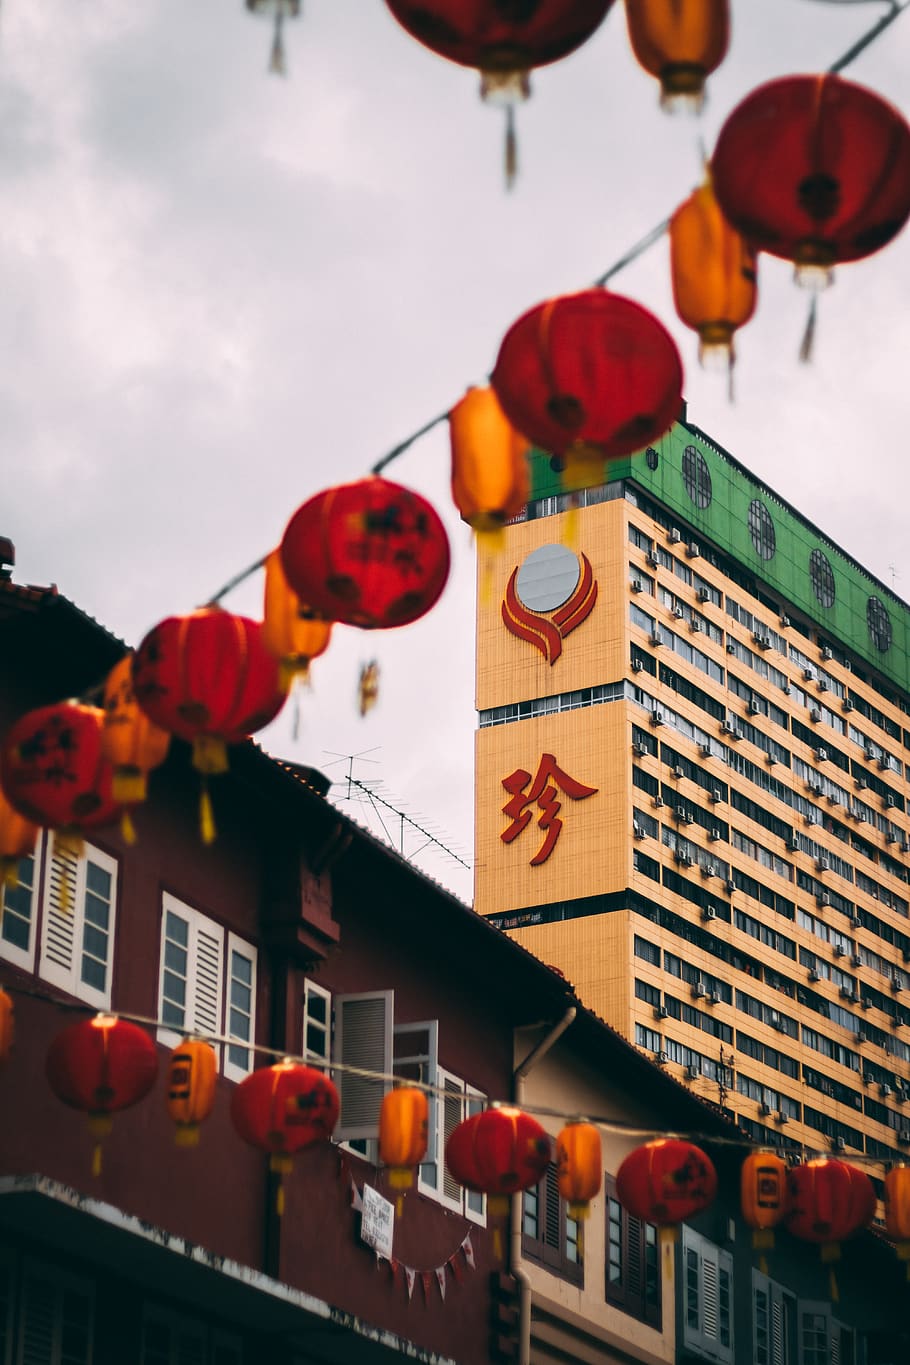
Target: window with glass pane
[[17, 915], [96, 934], [549, 1235], [317, 1023], [176, 970], [240, 1008]]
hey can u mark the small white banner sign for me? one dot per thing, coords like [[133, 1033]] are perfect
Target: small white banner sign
[[378, 1224]]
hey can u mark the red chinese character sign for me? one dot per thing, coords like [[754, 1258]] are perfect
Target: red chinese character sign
[[543, 791], [547, 597]]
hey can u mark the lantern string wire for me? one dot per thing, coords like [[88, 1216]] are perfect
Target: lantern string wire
[[862, 43], [611, 1124], [236, 581]]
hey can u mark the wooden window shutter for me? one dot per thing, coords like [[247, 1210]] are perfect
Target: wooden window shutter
[[55, 1320], [452, 1115], [362, 1038]]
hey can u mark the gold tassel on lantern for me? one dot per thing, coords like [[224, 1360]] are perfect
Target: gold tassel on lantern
[[368, 689]]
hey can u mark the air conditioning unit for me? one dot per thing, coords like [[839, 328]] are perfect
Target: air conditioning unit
[[758, 637], [764, 1109], [826, 653], [868, 1078], [727, 727], [864, 1002], [903, 1137], [637, 666], [822, 864], [890, 837], [705, 749], [656, 717], [678, 770], [709, 913], [693, 1071], [637, 831], [813, 975], [890, 802], [704, 595], [884, 1089], [822, 898], [754, 708], [840, 950], [654, 639], [821, 755], [808, 674], [896, 983], [636, 585], [674, 536], [815, 716], [782, 1117], [822, 685], [708, 870], [679, 613], [681, 814], [657, 802], [869, 751], [861, 817], [651, 558], [731, 646], [695, 627], [815, 788], [684, 859], [785, 621], [793, 843], [638, 748], [905, 845], [699, 990], [716, 795], [692, 550], [714, 834], [884, 762], [660, 1012], [839, 1144], [774, 1020], [856, 959], [714, 997], [661, 1058], [730, 884], [847, 704], [846, 993]]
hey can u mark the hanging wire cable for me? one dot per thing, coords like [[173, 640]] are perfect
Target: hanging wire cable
[[862, 43]]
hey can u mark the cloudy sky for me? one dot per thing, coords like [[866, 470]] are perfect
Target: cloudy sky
[[223, 291]]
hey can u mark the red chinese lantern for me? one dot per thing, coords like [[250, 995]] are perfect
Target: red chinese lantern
[[54, 771], [666, 1181], [403, 1120], [17, 840], [680, 42], [579, 1166], [713, 270], [764, 1196], [209, 679], [279, 10], [191, 1088], [590, 377], [498, 1153], [503, 40], [101, 1065], [7, 1025], [290, 630], [370, 554], [490, 475], [897, 1210], [132, 743], [282, 1109], [830, 1201], [816, 170]]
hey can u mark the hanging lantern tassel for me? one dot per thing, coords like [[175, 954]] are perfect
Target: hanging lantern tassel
[[669, 1235], [808, 341], [511, 163], [127, 828], [830, 1253], [277, 64], [99, 1126], [9, 878], [281, 1165], [498, 1206], [207, 830], [368, 690]]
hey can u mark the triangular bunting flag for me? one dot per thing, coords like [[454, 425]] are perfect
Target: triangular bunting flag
[[441, 1280], [468, 1249], [456, 1268], [410, 1276], [426, 1279], [356, 1198]]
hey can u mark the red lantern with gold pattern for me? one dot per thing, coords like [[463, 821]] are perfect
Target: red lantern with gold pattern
[[764, 1195], [680, 42], [897, 1210], [7, 1025], [191, 1077], [579, 1166], [101, 1065], [18, 837], [53, 767], [666, 1181], [369, 554], [497, 1153], [589, 377], [282, 1109], [830, 1200], [490, 475], [814, 169]]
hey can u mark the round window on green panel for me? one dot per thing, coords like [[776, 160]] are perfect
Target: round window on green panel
[[822, 577], [697, 477], [879, 623], [761, 529]]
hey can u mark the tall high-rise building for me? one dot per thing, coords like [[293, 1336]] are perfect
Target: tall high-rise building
[[692, 786]]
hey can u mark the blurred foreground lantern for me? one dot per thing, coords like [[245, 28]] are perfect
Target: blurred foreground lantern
[[666, 1181], [54, 771], [503, 40], [763, 1196], [370, 554], [830, 1201], [7, 1025], [290, 630], [816, 170], [131, 742], [17, 840], [280, 10], [498, 1153], [209, 679], [403, 1120], [191, 1088], [680, 42], [590, 377], [897, 1210], [101, 1065], [579, 1166], [282, 1109], [490, 476], [713, 270]]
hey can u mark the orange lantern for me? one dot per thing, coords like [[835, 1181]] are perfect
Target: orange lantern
[[282, 1109], [497, 1153], [290, 631], [579, 1166], [128, 738], [897, 1210], [681, 42], [54, 771], [17, 841], [666, 1181], [764, 1195], [208, 678], [713, 270], [191, 1088], [490, 476], [403, 1120], [101, 1065], [7, 1024]]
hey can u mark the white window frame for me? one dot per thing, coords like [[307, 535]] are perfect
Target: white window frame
[[443, 1119], [313, 1056], [64, 930], [233, 1070], [698, 1340], [10, 952]]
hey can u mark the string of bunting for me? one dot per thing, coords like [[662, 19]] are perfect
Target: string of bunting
[[411, 1274]]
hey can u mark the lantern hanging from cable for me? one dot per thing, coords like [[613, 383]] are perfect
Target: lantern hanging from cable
[[666, 1181], [830, 1201], [680, 42], [503, 40], [897, 1210], [7, 1025], [191, 1076], [713, 269], [370, 554], [814, 169], [764, 1197], [54, 771], [18, 837], [403, 1119], [589, 377], [279, 10], [498, 1153], [132, 743], [490, 475], [283, 1109], [208, 678], [290, 630], [100, 1066], [579, 1166]]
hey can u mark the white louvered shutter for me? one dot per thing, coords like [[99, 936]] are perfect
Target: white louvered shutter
[[77, 932], [452, 1107], [191, 975], [362, 1038]]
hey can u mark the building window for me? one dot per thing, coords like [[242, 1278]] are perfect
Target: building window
[[172, 1339], [774, 1319], [761, 529], [821, 575], [879, 623], [708, 1298], [77, 929], [207, 984], [548, 1235], [19, 915], [317, 1023], [633, 1262], [652, 459], [696, 477], [56, 1317]]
